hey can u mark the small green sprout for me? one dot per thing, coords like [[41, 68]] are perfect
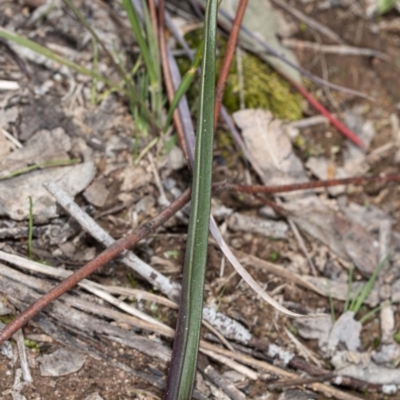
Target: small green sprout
[[274, 256], [362, 292], [31, 344], [172, 254]]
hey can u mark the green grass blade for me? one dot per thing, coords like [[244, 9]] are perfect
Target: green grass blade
[[152, 43], [33, 167], [369, 315], [184, 86], [93, 90], [86, 24], [368, 287], [184, 357], [141, 40], [37, 48], [355, 298], [133, 92], [384, 6], [149, 51]]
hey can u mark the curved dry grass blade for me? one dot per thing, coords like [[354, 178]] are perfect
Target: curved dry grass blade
[[245, 275]]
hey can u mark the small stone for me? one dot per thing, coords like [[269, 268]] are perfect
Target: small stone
[[176, 159], [96, 193], [60, 363]]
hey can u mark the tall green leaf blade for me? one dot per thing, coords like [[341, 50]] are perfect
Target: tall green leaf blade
[[152, 41], [141, 39], [184, 357]]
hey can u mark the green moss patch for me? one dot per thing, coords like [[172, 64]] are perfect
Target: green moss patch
[[262, 86]]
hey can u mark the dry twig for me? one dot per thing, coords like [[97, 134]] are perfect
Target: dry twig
[[226, 64]]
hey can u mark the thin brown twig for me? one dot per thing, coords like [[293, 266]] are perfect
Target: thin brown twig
[[361, 180], [153, 17], [260, 191], [167, 78], [107, 255], [145, 230], [271, 203], [343, 129], [226, 65], [259, 349]]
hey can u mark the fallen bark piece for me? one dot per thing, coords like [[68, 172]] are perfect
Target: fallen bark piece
[[60, 363], [270, 148], [133, 178], [96, 193], [273, 156], [14, 193], [369, 217], [347, 239]]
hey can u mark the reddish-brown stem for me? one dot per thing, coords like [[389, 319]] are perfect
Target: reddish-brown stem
[[168, 80], [311, 185], [226, 65], [110, 253], [271, 203], [153, 16], [323, 111]]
